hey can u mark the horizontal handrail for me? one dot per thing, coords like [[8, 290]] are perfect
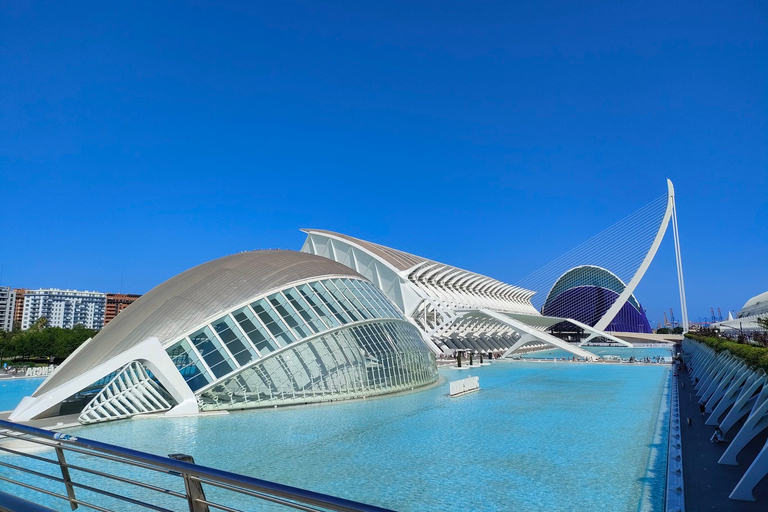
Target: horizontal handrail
[[88, 470], [256, 488], [11, 503]]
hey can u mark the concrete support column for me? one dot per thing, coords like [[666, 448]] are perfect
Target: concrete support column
[[743, 404], [700, 361], [756, 423], [743, 377], [707, 373], [757, 470], [720, 383]]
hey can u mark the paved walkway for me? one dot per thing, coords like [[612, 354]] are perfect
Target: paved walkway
[[707, 483]]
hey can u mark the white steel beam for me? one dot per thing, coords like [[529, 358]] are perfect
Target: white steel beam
[[609, 315], [531, 333]]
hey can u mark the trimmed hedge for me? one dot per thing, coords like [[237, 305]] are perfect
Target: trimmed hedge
[[754, 357]]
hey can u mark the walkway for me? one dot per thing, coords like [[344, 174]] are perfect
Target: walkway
[[707, 483]]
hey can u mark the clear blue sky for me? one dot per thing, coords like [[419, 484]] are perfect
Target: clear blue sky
[[143, 138]]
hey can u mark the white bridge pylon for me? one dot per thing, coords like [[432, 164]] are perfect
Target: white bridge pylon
[[669, 214]]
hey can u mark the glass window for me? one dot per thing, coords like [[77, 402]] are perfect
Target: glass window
[[330, 302], [371, 306], [306, 312], [378, 300], [236, 343], [254, 330], [318, 306], [189, 365], [215, 356], [343, 302], [286, 312], [354, 296], [381, 299], [295, 367], [332, 366], [273, 323]]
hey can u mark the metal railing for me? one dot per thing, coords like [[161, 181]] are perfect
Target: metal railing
[[180, 484]]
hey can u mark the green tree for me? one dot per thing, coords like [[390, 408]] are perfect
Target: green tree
[[43, 344], [39, 324]]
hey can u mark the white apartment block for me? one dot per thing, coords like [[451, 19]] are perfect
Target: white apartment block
[[64, 308], [7, 301]]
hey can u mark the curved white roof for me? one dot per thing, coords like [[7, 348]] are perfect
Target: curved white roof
[[185, 301], [396, 258], [763, 297], [757, 305], [439, 277]]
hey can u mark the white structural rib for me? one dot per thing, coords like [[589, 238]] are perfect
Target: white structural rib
[[150, 353], [530, 334], [545, 322], [609, 315], [132, 391]]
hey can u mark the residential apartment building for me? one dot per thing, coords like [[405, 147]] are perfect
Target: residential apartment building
[[64, 308], [18, 308], [116, 302], [7, 301]]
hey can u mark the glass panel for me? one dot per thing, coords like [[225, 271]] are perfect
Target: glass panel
[[291, 318], [330, 302], [273, 323], [254, 330], [342, 301], [360, 361], [361, 290], [295, 367], [354, 302], [189, 365], [374, 309], [318, 306], [378, 296], [378, 300], [230, 334], [306, 312], [208, 346]]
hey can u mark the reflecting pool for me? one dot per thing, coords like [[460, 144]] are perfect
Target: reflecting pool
[[536, 437], [12, 391], [622, 352]]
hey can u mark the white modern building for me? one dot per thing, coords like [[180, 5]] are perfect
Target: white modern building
[[746, 319], [254, 329], [64, 308], [7, 302], [459, 310], [455, 309]]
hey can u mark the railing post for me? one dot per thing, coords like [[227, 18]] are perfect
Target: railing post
[[66, 477], [193, 487]]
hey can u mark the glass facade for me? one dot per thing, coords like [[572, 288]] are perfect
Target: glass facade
[[363, 360], [230, 362]]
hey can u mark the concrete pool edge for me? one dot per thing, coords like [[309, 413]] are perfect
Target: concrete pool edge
[[675, 495]]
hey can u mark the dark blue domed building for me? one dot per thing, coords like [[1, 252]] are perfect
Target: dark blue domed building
[[586, 292]]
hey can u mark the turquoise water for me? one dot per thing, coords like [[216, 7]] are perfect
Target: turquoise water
[[536, 437], [12, 390], [623, 352]]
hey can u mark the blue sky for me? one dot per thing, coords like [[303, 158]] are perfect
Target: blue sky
[[143, 138]]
